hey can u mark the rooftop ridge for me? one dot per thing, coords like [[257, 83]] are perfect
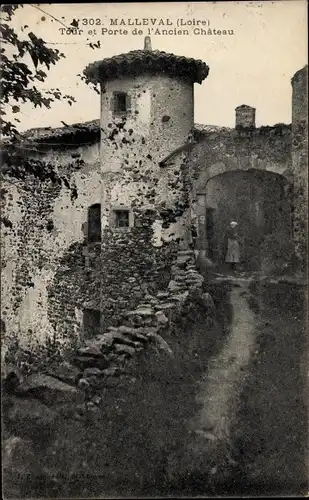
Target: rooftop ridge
[[90, 131]]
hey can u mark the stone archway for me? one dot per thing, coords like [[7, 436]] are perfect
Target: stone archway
[[258, 200]]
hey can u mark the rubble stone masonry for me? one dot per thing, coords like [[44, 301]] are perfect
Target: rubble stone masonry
[[300, 162], [51, 272]]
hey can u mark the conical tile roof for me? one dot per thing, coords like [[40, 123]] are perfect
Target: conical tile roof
[[147, 61]]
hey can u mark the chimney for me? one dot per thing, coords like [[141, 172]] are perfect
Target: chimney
[[147, 44], [245, 117]]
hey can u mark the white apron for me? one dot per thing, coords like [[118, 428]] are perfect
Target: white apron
[[233, 251]]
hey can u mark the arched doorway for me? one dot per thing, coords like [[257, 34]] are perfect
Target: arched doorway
[[257, 200]]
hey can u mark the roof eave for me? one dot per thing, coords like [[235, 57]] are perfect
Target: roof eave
[[100, 71]]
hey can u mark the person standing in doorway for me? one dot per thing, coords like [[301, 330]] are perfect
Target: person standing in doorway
[[231, 244]]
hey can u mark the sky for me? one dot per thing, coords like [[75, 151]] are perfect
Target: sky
[[253, 66]]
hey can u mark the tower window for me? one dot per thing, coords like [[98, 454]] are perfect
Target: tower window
[[121, 102], [92, 322], [122, 218], [94, 223]]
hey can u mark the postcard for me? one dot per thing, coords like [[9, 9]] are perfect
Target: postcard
[[154, 201]]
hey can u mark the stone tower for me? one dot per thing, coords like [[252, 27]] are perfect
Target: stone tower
[[147, 116], [147, 112]]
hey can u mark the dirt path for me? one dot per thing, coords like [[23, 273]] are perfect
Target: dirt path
[[253, 397], [221, 385]]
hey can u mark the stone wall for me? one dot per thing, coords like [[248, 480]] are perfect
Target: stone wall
[[228, 150], [300, 162], [264, 148], [51, 272], [41, 220], [49, 266], [108, 353]]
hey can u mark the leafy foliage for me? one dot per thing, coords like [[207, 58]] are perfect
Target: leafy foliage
[[26, 61], [18, 78], [83, 76]]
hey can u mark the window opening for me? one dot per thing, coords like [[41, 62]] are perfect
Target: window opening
[[122, 218], [91, 322], [94, 223], [120, 100]]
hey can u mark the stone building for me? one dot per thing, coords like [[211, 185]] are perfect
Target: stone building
[[124, 193]]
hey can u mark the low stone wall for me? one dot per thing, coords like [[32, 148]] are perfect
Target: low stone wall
[[113, 353]]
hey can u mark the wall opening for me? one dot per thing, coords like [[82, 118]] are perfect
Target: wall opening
[[92, 323], [122, 218], [257, 201], [94, 223], [2, 326], [121, 103], [210, 231]]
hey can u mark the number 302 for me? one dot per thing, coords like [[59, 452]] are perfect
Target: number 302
[[91, 22]]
